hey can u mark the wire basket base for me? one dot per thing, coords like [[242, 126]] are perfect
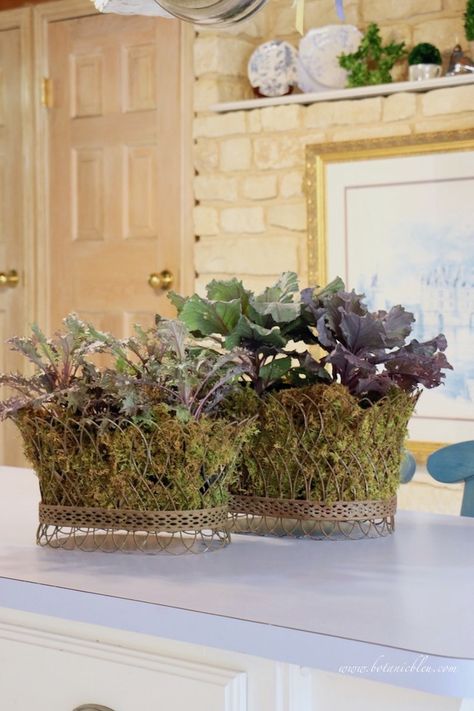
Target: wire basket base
[[109, 530], [306, 519], [112, 540]]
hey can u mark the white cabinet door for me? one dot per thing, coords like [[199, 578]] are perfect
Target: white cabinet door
[[40, 671]]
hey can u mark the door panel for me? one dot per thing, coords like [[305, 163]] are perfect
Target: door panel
[[115, 162], [12, 298]]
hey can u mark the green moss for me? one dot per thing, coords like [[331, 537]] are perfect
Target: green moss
[[320, 443], [162, 465]]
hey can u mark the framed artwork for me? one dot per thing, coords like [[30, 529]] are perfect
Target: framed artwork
[[395, 219]]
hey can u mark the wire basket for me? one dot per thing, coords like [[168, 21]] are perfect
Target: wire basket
[[157, 487], [322, 465]]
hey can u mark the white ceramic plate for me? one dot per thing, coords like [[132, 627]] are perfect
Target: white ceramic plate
[[272, 68], [305, 82], [320, 50]]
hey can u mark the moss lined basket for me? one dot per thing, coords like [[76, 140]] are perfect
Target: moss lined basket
[[161, 486], [133, 455], [321, 464]]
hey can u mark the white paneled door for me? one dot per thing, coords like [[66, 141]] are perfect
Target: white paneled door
[[12, 277], [115, 154]]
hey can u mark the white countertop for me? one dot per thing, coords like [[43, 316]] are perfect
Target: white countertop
[[315, 603]]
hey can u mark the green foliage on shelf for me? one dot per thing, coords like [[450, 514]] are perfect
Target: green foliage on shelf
[[469, 21], [373, 61], [424, 53]]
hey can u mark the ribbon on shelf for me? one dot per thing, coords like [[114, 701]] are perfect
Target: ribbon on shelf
[[299, 6]]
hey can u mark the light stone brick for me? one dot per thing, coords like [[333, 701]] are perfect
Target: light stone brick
[[458, 122], [267, 254], [254, 121], [291, 185], [236, 154], [206, 93], [206, 155], [281, 118], [215, 187], [291, 217], [357, 133], [399, 107], [376, 11], [212, 91], [221, 54], [260, 187], [337, 113], [444, 34], [205, 221], [220, 124], [243, 220], [448, 101], [274, 153]]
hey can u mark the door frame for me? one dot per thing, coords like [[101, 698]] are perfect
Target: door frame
[[20, 19], [58, 10]]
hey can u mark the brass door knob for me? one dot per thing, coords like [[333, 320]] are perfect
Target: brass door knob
[[163, 280], [10, 278]]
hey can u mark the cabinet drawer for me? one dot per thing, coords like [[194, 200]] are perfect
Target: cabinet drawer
[[49, 672]]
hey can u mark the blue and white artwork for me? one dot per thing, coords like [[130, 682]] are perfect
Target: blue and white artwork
[[410, 240]]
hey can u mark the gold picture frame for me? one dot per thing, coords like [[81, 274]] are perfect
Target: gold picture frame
[[320, 156]]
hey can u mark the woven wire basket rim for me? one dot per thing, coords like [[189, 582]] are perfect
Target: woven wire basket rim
[[313, 510]]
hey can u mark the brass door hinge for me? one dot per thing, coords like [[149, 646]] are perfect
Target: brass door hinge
[[47, 92]]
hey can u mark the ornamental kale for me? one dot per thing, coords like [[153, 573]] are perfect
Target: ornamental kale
[[367, 352], [272, 335], [260, 329], [161, 366]]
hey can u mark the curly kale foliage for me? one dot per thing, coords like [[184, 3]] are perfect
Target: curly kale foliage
[[261, 329], [368, 352], [151, 369], [373, 61]]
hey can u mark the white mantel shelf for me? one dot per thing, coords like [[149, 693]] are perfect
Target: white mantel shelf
[[318, 604], [343, 94]]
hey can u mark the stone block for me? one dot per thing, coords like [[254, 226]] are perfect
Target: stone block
[[236, 154], [451, 100], [399, 106], [215, 187], [243, 220], [260, 187], [205, 221], [282, 118], [291, 216], [339, 113]]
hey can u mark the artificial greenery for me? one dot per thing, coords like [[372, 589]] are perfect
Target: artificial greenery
[[140, 433], [424, 53], [469, 21], [373, 61]]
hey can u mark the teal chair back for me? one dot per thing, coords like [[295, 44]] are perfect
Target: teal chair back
[[454, 464], [407, 467]]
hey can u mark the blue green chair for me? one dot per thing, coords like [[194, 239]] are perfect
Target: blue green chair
[[407, 468], [453, 464]]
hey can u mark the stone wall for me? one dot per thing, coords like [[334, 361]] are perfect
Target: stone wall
[[250, 214]]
